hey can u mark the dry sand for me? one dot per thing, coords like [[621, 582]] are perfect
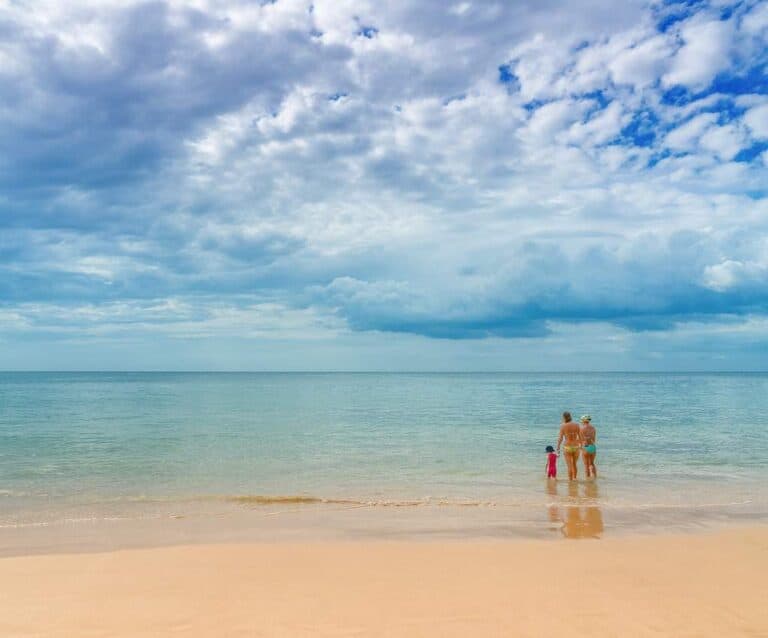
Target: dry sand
[[711, 584]]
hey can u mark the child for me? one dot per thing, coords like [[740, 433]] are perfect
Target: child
[[551, 465]]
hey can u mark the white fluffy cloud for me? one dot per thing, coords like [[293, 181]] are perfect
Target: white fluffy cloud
[[706, 51], [642, 64], [756, 119], [730, 274]]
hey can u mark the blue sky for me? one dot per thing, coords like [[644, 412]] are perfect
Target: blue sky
[[222, 184]]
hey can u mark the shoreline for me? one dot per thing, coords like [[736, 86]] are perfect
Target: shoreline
[[321, 522], [690, 584]]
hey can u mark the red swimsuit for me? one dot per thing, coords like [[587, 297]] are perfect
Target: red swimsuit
[[551, 465]]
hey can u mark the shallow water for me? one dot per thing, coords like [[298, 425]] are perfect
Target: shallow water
[[674, 449]]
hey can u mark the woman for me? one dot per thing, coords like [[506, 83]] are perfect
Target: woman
[[589, 451], [570, 433]]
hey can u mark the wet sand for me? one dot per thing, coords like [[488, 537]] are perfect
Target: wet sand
[[708, 584], [568, 510]]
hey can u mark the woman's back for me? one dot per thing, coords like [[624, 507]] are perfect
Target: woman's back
[[571, 433], [588, 433]]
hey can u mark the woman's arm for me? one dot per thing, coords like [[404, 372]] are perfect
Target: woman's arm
[[560, 439]]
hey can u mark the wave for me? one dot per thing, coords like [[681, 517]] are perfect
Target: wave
[[261, 499], [21, 494], [63, 521], [257, 499]]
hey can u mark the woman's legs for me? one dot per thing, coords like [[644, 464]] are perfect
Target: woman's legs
[[570, 460], [589, 464]]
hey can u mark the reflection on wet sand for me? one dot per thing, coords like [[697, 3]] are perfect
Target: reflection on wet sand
[[577, 513]]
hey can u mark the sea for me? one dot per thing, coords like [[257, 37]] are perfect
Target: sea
[[337, 455]]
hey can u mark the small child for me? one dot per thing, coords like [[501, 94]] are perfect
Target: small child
[[551, 465]]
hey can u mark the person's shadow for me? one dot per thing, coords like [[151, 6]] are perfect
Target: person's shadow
[[579, 516]]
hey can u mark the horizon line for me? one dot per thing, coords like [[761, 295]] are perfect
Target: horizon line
[[202, 371]]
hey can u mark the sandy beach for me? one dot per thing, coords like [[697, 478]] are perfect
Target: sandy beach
[[708, 584]]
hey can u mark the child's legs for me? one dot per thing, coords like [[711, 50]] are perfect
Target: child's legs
[[552, 472]]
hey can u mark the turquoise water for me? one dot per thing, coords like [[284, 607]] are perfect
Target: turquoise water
[[102, 442]]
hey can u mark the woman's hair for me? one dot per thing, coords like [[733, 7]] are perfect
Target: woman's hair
[[566, 416], [550, 449]]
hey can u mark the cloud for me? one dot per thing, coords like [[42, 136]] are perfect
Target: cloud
[[687, 136], [642, 64], [706, 51], [652, 284], [461, 171], [724, 141], [755, 21], [730, 274], [756, 120]]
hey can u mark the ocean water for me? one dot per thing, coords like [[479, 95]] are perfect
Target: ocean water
[[673, 449]]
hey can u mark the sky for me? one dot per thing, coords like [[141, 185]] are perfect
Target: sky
[[400, 185]]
